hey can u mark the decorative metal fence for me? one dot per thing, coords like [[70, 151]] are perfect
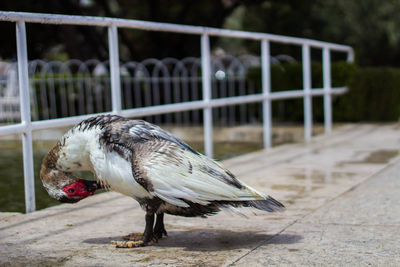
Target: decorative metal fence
[[9, 95], [71, 88], [207, 103]]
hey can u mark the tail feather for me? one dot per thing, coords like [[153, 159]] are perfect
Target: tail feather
[[268, 204], [196, 209]]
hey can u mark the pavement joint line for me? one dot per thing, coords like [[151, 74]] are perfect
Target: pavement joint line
[[397, 161], [55, 232], [263, 242], [59, 212], [244, 159], [343, 131], [304, 146], [356, 224]]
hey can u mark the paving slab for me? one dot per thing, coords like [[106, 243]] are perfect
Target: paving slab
[[319, 182], [361, 227]]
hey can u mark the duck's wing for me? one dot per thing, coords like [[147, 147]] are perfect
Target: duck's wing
[[170, 169], [175, 175]]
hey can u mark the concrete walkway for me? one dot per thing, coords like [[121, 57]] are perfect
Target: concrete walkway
[[342, 197]]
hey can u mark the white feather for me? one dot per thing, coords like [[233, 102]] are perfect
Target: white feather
[[116, 172], [109, 167], [173, 181], [76, 147]]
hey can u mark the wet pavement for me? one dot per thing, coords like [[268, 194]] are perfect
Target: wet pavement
[[341, 194]]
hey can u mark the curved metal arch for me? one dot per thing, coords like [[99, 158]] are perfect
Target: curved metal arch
[[178, 68], [33, 66], [48, 68], [249, 61], [196, 65], [286, 58], [235, 66], [96, 64], [128, 66], [83, 68], [217, 64], [274, 60], [159, 67], [65, 69], [11, 87], [73, 62], [137, 66]]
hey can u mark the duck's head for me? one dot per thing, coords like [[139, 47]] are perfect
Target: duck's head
[[61, 185]]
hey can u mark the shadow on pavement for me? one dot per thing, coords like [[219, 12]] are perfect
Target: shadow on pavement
[[211, 240]]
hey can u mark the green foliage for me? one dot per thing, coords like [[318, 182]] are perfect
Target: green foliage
[[369, 26], [374, 93], [92, 42]]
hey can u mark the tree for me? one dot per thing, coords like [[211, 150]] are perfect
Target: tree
[[89, 42], [370, 26]]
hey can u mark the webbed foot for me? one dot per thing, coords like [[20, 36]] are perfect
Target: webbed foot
[[129, 244], [133, 237], [150, 235]]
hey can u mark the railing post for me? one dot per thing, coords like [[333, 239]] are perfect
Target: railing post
[[307, 92], [114, 69], [326, 63], [206, 80], [25, 109], [350, 56], [266, 88]]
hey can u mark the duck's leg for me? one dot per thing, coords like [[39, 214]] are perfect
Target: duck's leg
[[140, 236], [148, 230], [159, 229], [146, 238], [149, 234]]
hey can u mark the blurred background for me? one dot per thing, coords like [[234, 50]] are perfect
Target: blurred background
[[68, 68], [370, 27]]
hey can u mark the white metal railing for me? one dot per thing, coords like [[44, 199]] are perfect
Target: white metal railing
[[26, 126]]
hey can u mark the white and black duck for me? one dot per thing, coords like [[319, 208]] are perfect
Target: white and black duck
[[143, 161]]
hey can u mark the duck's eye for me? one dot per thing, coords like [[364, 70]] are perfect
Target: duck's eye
[[71, 190]]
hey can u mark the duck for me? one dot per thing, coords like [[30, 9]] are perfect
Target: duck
[[141, 160]]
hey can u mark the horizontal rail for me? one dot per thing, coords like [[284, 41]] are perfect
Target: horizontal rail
[[9, 100], [13, 129], [169, 108], [164, 109], [166, 27]]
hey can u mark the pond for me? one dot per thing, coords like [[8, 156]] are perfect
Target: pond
[[12, 177]]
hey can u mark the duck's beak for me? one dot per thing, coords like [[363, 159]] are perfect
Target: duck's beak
[[91, 186], [65, 199]]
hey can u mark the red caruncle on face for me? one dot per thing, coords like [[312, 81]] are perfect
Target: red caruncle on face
[[77, 190]]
